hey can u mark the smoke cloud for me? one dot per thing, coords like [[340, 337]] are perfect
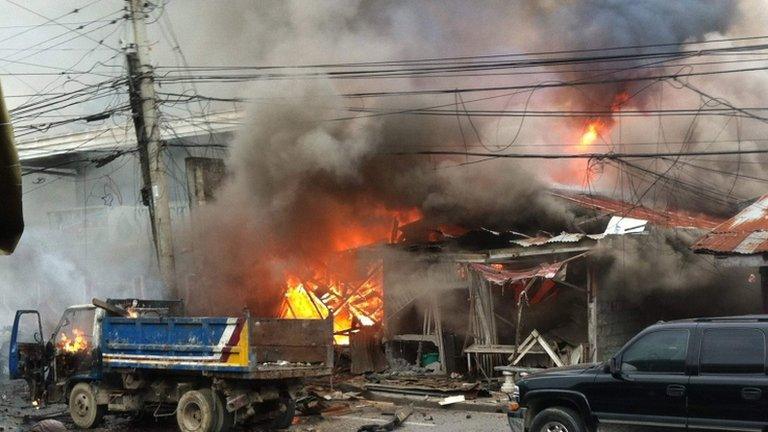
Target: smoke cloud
[[302, 180]]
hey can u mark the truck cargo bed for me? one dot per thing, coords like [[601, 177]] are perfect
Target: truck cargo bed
[[247, 348]]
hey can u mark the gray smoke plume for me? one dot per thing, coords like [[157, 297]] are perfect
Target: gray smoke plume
[[597, 24], [659, 272]]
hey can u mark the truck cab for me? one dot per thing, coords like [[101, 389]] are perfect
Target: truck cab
[[69, 355], [706, 373]]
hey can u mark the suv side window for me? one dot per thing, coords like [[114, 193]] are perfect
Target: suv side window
[[662, 351], [733, 351]]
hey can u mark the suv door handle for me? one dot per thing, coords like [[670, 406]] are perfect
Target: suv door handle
[[675, 390], [751, 393]]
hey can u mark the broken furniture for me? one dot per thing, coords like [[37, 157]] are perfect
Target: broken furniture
[[535, 338], [477, 350]]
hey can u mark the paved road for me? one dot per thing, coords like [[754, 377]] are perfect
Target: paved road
[[420, 420], [17, 415]]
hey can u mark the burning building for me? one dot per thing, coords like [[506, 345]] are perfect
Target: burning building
[[329, 208]]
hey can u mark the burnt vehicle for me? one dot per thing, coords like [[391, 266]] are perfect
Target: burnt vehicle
[[707, 373], [145, 357]]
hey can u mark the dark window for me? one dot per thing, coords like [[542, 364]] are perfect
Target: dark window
[[662, 352], [733, 351]]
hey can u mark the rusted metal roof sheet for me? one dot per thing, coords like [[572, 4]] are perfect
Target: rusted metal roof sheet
[[744, 234], [664, 218]]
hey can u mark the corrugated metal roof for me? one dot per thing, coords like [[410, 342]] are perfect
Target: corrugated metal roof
[[616, 226], [667, 218], [744, 234], [561, 238]]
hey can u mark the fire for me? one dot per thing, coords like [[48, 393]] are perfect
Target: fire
[[333, 285], [374, 226], [353, 304], [594, 129], [76, 344], [599, 128]]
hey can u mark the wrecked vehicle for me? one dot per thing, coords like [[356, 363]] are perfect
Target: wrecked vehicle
[[707, 373], [137, 356]]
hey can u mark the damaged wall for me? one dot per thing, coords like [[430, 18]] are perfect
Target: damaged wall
[[647, 278]]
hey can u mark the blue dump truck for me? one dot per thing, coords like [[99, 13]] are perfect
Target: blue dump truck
[[144, 357]]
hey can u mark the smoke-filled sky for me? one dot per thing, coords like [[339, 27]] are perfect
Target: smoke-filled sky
[[300, 177]]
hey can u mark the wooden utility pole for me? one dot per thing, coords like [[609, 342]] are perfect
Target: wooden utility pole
[[144, 109]]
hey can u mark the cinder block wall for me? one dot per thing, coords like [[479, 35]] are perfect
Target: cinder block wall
[[617, 322]]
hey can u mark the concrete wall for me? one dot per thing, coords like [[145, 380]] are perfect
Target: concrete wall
[[88, 235], [617, 322]]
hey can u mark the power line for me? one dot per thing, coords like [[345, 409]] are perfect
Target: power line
[[474, 58], [596, 156], [55, 21], [547, 85], [74, 11]]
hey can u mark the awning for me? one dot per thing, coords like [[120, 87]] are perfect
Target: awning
[[501, 276]]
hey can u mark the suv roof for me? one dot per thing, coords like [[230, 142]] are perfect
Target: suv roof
[[738, 318]]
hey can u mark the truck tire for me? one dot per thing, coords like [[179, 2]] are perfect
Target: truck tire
[[196, 411], [284, 412], [224, 419], [83, 408], [557, 419]]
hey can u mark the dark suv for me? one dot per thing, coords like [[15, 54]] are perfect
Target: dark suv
[[707, 373]]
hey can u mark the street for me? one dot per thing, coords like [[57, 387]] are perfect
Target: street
[[17, 415]]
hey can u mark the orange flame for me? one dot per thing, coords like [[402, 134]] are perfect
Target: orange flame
[[78, 343], [595, 129], [337, 288], [353, 305]]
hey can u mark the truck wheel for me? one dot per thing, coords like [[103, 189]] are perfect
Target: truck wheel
[[224, 419], [283, 417], [196, 411], [82, 406], [557, 419]]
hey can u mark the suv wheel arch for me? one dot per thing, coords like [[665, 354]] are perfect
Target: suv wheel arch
[[537, 401]]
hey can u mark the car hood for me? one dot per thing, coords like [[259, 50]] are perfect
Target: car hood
[[565, 370]]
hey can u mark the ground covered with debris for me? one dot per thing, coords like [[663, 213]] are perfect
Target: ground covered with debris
[[324, 410]]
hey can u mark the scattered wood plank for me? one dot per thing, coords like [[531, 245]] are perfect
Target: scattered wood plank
[[450, 400]]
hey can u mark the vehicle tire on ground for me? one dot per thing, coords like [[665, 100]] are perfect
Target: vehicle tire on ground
[[196, 411], [83, 408], [224, 419], [285, 409], [557, 419]]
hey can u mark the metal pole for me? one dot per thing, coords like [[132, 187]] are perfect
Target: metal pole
[[150, 149], [764, 287], [11, 217]]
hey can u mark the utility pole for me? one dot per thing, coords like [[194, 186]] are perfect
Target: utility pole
[[144, 108]]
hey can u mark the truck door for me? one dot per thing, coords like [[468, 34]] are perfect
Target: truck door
[[26, 357], [731, 388], [650, 389], [27, 347]]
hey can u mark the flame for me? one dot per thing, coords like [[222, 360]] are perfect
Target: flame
[[353, 304], [594, 129], [335, 286], [375, 226], [76, 344]]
